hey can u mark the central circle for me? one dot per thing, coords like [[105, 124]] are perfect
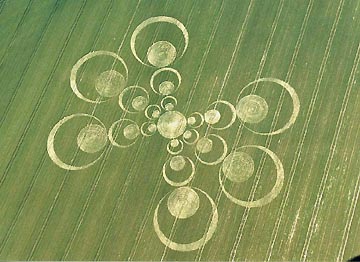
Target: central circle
[[171, 124]]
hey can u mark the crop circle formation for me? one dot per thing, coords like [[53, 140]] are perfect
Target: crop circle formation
[[180, 129]]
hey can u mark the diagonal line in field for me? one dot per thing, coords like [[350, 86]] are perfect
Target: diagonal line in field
[[13, 37], [34, 178], [346, 162], [37, 105], [227, 75], [338, 128], [120, 197], [279, 106], [2, 5], [349, 220], [43, 93], [304, 130], [204, 58], [344, 157], [122, 192], [68, 104], [27, 66], [239, 132], [354, 200]]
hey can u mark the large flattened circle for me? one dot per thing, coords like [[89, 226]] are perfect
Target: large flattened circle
[[238, 166], [92, 138], [171, 124], [110, 83], [183, 202], [161, 54], [252, 109]]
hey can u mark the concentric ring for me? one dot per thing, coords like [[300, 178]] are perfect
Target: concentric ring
[[51, 138], [126, 90], [111, 131], [183, 183], [220, 158], [177, 150], [294, 97], [193, 245], [81, 61], [272, 194], [157, 72], [157, 19], [232, 110]]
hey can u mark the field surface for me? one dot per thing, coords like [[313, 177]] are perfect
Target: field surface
[[85, 175]]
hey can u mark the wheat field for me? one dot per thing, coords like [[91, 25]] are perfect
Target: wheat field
[[222, 130]]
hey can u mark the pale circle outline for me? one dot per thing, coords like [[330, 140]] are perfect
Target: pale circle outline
[[142, 129], [50, 143], [201, 117], [221, 158], [168, 97], [183, 183], [175, 152], [127, 89], [110, 133], [162, 70], [197, 137], [274, 191], [157, 19], [233, 117], [81, 61], [148, 108], [193, 245], [294, 98]]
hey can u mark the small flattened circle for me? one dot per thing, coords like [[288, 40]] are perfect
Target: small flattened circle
[[110, 83], [252, 109], [238, 167], [183, 202], [161, 54], [92, 138], [212, 116]]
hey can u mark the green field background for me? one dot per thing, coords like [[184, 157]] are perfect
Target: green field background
[[105, 212]]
